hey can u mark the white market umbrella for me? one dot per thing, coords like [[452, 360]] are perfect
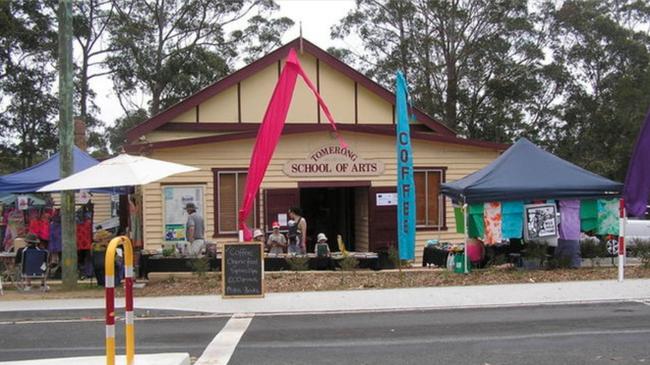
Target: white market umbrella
[[123, 170]]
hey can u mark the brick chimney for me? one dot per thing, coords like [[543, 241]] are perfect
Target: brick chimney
[[80, 133]]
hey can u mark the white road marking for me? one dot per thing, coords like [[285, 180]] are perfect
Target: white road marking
[[220, 350]]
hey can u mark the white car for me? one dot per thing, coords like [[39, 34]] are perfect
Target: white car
[[637, 229]]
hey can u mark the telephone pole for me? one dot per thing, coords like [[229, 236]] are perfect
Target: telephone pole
[[69, 255]]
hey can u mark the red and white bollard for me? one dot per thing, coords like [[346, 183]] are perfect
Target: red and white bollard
[[621, 240]]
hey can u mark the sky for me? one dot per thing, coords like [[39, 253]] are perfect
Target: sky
[[317, 17]]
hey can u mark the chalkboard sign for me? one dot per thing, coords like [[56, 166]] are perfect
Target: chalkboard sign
[[242, 271]]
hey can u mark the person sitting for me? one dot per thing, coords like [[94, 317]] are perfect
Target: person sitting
[[101, 240], [322, 248], [33, 261], [475, 252], [276, 242]]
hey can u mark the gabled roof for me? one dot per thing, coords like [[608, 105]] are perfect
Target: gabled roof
[[279, 54], [527, 172]]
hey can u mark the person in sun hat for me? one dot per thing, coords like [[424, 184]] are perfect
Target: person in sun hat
[[276, 242], [322, 248], [258, 235]]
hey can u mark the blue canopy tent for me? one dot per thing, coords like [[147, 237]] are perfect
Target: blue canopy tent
[[526, 172], [33, 178]]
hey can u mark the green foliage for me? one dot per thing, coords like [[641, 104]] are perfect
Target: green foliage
[[298, 263], [200, 266], [641, 249], [564, 74], [168, 251], [168, 50], [471, 64], [349, 263], [117, 133], [27, 104]]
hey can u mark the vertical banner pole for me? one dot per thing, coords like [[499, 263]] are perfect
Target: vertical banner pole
[[621, 241], [465, 209], [405, 181]]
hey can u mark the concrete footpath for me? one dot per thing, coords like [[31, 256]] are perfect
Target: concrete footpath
[[375, 300]]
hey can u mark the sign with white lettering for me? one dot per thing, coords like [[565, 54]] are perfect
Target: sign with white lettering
[[333, 160], [242, 270]]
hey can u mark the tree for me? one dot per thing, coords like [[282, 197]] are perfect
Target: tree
[[117, 133], [27, 52], [600, 44], [473, 64], [29, 122], [91, 19], [165, 50]]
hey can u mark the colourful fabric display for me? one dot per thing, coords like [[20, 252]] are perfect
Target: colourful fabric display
[[460, 219], [269, 132], [512, 214], [588, 215], [55, 235], [15, 228], [608, 216], [84, 235], [492, 219], [570, 220], [475, 221]]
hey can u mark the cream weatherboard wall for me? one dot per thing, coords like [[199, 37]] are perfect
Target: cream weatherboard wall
[[459, 160], [348, 101]]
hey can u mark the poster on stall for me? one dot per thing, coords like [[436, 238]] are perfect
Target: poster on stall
[[175, 199], [22, 201], [541, 221]]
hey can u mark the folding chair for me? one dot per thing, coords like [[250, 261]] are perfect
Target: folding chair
[[34, 265]]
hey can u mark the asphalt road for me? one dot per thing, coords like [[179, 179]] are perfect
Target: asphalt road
[[51, 334], [571, 334], [583, 334]]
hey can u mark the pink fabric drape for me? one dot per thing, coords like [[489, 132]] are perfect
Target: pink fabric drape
[[269, 133]]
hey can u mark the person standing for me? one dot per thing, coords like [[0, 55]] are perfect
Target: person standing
[[276, 242], [194, 230], [297, 232]]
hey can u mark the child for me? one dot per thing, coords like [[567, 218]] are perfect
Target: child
[[276, 242], [322, 249]]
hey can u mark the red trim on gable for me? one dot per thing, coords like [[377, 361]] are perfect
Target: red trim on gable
[[276, 56]]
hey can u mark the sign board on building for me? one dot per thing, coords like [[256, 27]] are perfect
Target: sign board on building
[[333, 160], [175, 198], [386, 199], [540, 221], [242, 270]]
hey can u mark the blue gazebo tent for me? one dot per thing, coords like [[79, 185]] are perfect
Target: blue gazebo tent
[[526, 172], [33, 178]]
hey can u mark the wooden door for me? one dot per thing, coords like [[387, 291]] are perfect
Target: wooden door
[[278, 201], [382, 228]]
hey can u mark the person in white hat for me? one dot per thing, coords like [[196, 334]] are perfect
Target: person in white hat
[[276, 242], [322, 248], [258, 235]]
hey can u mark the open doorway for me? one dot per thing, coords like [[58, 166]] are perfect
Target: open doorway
[[334, 211]]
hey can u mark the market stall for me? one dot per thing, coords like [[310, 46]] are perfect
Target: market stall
[[518, 195]]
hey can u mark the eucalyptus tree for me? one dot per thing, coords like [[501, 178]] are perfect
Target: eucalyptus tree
[[166, 49]]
